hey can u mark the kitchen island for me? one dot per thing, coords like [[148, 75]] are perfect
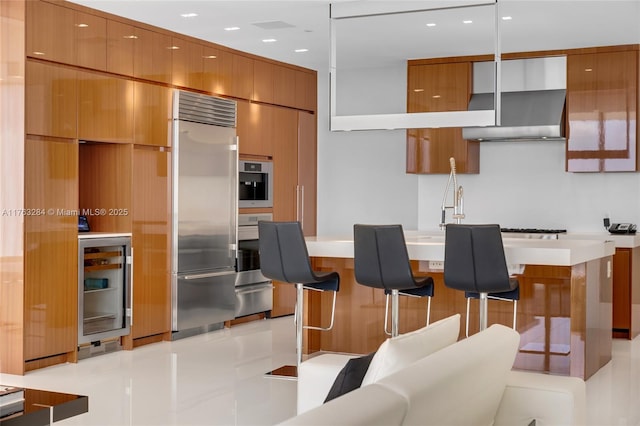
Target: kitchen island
[[564, 313]]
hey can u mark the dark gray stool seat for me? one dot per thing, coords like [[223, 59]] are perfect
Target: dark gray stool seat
[[474, 262], [284, 257], [381, 261]]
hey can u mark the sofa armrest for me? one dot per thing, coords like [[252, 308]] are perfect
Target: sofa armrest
[[315, 378], [547, 399]]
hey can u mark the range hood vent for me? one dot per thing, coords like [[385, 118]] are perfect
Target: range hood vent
[[533, 100], [526, 115]]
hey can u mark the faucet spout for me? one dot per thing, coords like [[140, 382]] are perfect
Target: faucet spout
[[458, 199]]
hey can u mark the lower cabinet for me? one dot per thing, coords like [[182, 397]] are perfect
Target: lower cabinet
[[626, 293]]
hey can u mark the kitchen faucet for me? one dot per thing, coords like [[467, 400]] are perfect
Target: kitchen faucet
[[458, 198]]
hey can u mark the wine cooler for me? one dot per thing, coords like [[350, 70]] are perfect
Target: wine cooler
[[104, 288]]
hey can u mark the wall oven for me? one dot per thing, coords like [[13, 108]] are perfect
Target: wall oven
[[255, 184], [254, 292]]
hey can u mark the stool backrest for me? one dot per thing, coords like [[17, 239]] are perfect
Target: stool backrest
[[380, 257], [283, 252], [474, 259]]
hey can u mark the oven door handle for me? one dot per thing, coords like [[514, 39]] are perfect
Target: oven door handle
[[254, 289], [208, 275]]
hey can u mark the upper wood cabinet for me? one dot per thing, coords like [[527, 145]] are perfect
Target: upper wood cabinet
[[51, 261], [236, 72], [263, 84], [306, 90], [152, 114], [50, 32], [187, 63], [91, 41], [51, 100], [602, 112], [212, 80], [121, 44], [284, 86], [152, 56], [432, 88], [105, 108], [255, 129]]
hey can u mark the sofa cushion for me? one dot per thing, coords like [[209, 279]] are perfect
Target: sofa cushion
[[398, 352], [461, 384], [350, 377]]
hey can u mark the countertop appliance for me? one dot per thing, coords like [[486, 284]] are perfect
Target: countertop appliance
[[204, 198], [254, 291], [255, 184]]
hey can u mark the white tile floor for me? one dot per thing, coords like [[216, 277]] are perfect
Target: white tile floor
[[217, 379]]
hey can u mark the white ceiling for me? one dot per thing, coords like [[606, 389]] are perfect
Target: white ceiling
[[379, 40]]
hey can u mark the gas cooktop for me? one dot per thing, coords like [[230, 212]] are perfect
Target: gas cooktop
[[534, 231]]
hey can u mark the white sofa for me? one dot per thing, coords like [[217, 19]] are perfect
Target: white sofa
[[427, 378]]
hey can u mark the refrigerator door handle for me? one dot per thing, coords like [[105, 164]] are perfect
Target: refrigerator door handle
[[208, 274]]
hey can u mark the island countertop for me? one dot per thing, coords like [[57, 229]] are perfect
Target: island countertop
[[429, 245]]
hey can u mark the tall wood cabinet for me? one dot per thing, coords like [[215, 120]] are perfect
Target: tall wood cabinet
[[436, 87], [602, 112]]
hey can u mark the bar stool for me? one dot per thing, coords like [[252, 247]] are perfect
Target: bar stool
[[474, 262], [284, 257], [381, 261]]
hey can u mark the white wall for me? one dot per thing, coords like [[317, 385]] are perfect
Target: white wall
[[362, 179]]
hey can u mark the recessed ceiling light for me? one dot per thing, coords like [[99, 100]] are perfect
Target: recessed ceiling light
[[189, 15], [301, 50], [507, 18], [431, 24], [269, 40], [232, 28], [468, 21]]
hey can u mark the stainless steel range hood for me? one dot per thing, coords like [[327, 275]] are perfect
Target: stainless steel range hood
[[533, 100]]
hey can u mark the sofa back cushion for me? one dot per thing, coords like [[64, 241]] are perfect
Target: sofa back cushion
[[400, 351], [461, 384]]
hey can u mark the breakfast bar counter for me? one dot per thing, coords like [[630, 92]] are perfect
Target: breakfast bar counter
[[563, 316]]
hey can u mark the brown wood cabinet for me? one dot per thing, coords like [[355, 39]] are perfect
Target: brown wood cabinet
[[306, 91], [626, 293], [50, 32], [51, 100], [307, 172], [263, 84], [284, 86], [91, 41], [212, 70], [602, 109], [152, 56], [432, 88], [121, 44], [187, 63], [256, 129], [236, 73], [152, 114], [151, 242], [105, 108], [51, 261]]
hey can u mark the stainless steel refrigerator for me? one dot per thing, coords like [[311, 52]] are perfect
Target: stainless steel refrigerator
[[205, 159]]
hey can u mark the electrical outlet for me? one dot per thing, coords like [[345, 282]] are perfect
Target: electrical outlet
[[435, 265]]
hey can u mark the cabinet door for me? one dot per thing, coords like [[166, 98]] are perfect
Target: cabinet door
[[91, 41], [151, 242], [263, 83], [211, 70], [50, 32], [256, 129], [306, 90], [602, 101], [186, 63], [51, 261], [622, 292], [51, 100], [432, 88], [237, 75], [152, 121], [284, 86], [152, 58], [307, 166], [285, 192], [105, 108], [121, 41]]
